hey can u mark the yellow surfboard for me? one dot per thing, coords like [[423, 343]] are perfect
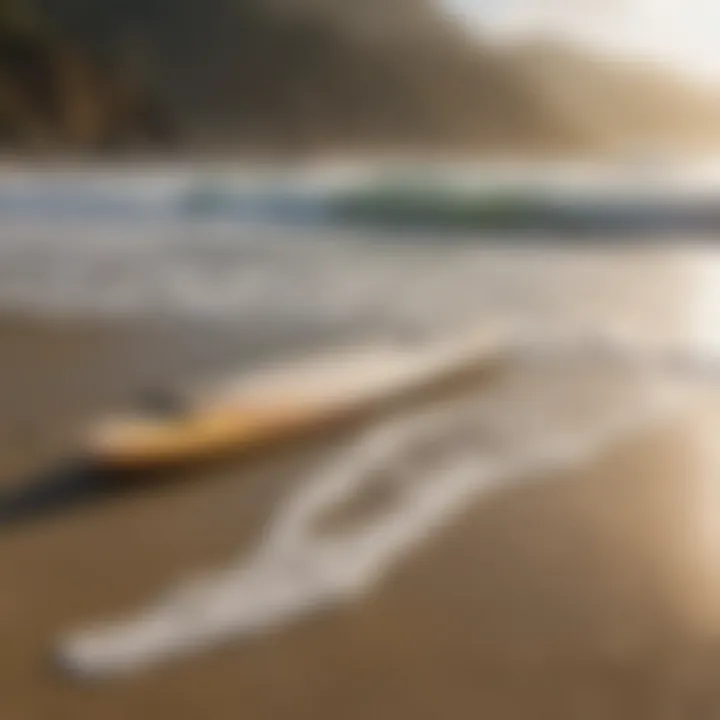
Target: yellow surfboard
[[286, 398]]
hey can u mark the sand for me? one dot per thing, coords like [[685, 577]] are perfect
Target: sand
[[590, 595]]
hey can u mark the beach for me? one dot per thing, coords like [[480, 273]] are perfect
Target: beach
[[586, 593]]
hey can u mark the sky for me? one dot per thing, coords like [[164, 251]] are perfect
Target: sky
[[685, 33]]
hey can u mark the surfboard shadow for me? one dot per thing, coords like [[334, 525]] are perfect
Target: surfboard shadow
[[51, 491]]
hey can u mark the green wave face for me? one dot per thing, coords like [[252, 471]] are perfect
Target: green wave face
[[439, 206]]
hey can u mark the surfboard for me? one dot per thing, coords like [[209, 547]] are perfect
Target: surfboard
[[289, 396]]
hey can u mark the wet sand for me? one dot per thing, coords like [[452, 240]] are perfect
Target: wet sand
[[586, 596]]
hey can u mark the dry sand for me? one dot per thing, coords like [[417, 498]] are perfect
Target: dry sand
[[588, 596]]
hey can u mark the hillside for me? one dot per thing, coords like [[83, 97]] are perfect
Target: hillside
[[54, 94], [619, 103], [300, 75]]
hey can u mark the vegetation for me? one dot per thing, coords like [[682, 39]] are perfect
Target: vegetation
[[56, 94], [301, 75]]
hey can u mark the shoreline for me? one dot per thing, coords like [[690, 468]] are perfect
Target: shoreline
[[580, 589]]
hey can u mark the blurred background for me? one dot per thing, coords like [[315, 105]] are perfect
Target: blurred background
[[191, 190]]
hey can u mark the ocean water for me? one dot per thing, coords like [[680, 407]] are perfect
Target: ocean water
[[256, 247], [243, 273]]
